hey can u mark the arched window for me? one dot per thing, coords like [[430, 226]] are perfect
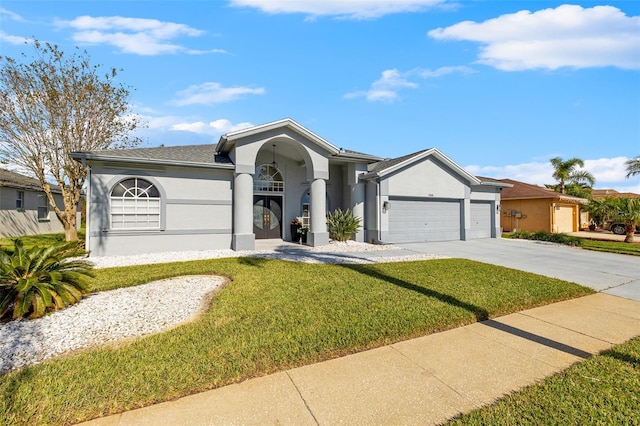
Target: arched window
[[135, 204], [268, 179]]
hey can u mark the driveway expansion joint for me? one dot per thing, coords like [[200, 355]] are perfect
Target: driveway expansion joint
[[302, 398]]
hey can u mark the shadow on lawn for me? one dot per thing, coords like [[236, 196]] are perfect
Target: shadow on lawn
[[621, 356], [480, 313]]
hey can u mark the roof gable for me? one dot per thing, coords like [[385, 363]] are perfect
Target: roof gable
[[383, 168], [228, 141]]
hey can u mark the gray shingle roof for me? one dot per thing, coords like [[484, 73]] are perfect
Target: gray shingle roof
[[390, 162], [202, 154], [196, 153], [16, 180]]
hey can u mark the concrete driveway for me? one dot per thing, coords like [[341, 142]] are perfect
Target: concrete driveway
[[614, 274]]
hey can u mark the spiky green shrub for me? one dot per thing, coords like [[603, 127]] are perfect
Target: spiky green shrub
[[343, 224], [37, 280]]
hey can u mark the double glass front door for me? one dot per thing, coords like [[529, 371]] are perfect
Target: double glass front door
[[267, 216]]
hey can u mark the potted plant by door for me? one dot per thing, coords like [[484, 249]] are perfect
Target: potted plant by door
[[295, 226], [303, 234]]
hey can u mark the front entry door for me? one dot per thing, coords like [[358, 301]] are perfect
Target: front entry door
[[267, 216]]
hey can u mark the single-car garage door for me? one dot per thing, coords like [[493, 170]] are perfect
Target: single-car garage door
[[480, 220], [413, 220], [564, 219]]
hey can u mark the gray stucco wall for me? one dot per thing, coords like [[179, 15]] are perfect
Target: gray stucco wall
[[196, 211], [14, 222], [424, 181]]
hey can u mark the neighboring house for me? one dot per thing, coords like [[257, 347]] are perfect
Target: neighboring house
[[24, 207], [255, 181], [534, 208], [600, 194]]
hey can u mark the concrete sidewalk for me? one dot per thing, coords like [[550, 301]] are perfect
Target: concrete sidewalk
[[420, 381]]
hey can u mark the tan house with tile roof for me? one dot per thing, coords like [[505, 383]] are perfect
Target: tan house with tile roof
[[599, 194], [534, 208]]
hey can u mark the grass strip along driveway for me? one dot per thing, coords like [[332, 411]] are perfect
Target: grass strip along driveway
[[273, 315]]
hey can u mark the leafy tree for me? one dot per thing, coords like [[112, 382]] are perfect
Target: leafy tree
[[578, 190], [627, 210], [55, 105], [342, 224], [36, 280], [567, 172], [633, 166]]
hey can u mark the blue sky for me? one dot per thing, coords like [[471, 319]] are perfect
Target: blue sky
[[500, 87]]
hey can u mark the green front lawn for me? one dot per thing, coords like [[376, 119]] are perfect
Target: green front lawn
[[603, 390], [272, 315]]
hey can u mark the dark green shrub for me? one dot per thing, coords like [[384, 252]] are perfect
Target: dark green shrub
[[547, 236], [41, 279], [520, 234], [342, 225]]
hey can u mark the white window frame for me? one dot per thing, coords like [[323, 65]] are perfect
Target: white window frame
[[138, 208], [268, 180], [43, 205]]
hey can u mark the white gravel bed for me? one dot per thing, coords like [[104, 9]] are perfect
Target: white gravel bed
[[104, 317], [289, 252]]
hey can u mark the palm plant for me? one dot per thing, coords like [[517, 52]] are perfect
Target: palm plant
[[628, 211], [633, 166], [566, 171], [600, 210], [40, 279], [342, 224]]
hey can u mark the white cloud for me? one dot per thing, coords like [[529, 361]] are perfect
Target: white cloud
[[442, 71], [385, 88], [388, 86], [15, 40], [133, 35], [609, 173], [11, 15], [216, 127], [567, 36], [213, 93], [158, 124], [352, 9]]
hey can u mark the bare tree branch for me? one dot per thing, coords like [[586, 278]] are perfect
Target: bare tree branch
[[55, 105]]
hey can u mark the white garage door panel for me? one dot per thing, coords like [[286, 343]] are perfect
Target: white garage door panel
[[411, 221], [480, 220], [564, 219]]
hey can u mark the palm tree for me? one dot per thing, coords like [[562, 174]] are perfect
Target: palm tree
[[633, 166], [628, 211], [36, 280], [565, 171]]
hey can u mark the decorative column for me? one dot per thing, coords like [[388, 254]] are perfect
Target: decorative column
[[357, 207], [243, 237], [318, 235]]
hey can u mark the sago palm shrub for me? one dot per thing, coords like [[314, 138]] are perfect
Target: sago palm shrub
[[37, 280], [342, 224]]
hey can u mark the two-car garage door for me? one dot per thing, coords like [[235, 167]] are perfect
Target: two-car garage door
[[418, 220], [431, 220]]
